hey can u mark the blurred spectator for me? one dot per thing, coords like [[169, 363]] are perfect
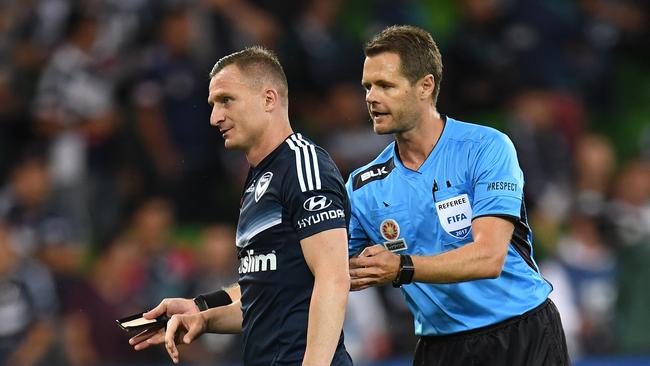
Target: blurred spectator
[[28, 304], [480, 66], [367, 337], [241, 23], [182, 151], [75, 112], [345, 129], [318, 54], [545, 160], [217, 263], [28, 205], [89, 333], [162, 269], [595, 164], [630, 216], [583, 275]]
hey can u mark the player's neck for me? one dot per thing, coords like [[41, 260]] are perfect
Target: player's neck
[[416, 144], [273, 137]]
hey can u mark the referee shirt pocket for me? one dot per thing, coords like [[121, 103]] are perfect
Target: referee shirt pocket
[[391, 223]]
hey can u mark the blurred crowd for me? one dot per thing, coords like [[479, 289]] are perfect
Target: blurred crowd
[[115, 192]]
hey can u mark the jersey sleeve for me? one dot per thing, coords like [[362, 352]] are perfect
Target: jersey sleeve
[[316, 197], [498, 180], [357, 237]]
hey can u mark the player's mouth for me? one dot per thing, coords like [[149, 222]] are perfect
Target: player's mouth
[[224, 132]]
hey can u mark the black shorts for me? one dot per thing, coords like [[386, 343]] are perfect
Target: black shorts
[[533, 338]]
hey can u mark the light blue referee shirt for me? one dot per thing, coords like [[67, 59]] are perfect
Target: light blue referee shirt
[[471, 172]]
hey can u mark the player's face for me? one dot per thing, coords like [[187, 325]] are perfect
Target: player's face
[[390, 97], [237, 108]]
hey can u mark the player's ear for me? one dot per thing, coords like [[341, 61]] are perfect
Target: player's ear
[[426, 86], [271, 99]]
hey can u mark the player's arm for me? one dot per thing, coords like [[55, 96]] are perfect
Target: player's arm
[[482, 258], [326, 255], [185, 328], [172, 306]]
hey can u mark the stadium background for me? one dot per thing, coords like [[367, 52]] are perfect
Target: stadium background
[[115, 192]]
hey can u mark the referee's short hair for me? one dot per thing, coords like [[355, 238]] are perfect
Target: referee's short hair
[[418, 52], [260, 65]]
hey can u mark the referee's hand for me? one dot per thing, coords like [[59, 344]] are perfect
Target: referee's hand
[[169, 307], [372, 267]]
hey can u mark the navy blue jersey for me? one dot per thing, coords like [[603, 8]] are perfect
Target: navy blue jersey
[[295, 192], [471, 172]]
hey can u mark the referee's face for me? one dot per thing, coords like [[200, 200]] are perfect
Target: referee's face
[[390, 97], [237, 108]]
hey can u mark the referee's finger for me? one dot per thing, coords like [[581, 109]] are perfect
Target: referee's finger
[[359, 273], [360, 284], [361, 262], [373, 250]]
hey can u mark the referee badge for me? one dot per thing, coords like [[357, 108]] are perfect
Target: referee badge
[[455, 215], [390, 231]]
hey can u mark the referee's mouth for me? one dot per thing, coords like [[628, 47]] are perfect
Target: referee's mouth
[[376, 115]]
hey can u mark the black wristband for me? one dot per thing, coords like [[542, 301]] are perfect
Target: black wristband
[[212, 300], [406, 271]]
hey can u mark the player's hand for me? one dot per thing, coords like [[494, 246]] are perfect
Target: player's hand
[[182, 329], [374, 266], [167, 307]]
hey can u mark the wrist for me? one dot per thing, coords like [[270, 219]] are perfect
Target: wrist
[[405, 272], [212, 300], [200, 304]]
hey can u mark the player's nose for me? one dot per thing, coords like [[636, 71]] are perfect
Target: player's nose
[[217, 116]]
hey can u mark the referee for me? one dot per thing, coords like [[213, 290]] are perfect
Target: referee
[[443, 206], [291, 235]]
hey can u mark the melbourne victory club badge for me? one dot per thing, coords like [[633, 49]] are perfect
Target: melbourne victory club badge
[[389, 229]]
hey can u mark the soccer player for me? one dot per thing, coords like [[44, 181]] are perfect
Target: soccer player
[[291, 234], [443, 206]]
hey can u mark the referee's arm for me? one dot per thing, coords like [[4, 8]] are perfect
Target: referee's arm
[[482, 258], [326, 254]]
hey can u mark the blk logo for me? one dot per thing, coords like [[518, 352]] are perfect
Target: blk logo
[[316, 203], [373, 173]]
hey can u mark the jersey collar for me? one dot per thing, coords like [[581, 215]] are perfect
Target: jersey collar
[[432, 155]]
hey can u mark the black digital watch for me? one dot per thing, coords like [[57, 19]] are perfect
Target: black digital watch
[[406, 271]]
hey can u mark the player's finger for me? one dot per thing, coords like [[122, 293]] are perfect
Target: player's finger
[[170, 333], [192, 333], [144, 336], [157, 338], [159, 310]]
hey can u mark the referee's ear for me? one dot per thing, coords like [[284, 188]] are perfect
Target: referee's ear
[[426, 87], [271, 99]]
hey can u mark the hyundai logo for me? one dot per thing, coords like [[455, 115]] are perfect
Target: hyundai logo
[[317, 203]]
